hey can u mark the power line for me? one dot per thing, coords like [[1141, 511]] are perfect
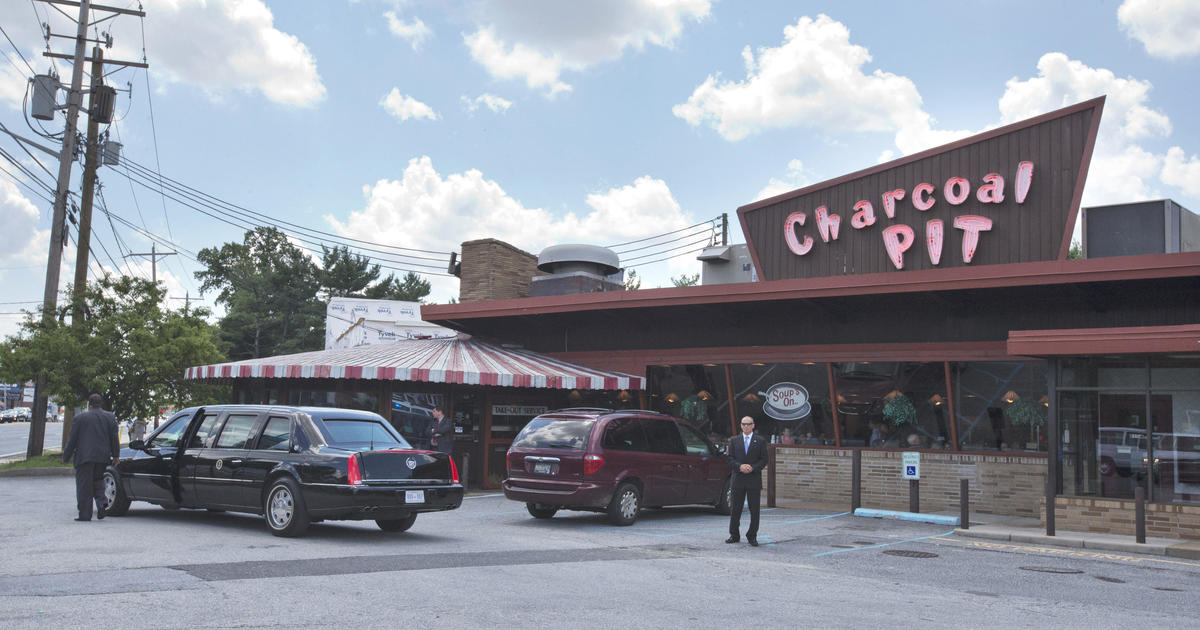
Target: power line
[[651, 262], [672, 249], [709, 230], [708, 222]]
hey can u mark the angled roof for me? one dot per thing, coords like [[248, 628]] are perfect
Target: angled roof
[[461, 360]]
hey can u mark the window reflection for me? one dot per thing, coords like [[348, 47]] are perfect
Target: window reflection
[[892, 404], [1000, 405], [788, 401]]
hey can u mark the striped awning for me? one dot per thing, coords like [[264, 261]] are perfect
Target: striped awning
[[463, 360]]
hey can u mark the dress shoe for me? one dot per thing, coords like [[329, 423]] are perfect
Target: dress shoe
[[100, 513], [732, 539], [752, 540], [80, 518]]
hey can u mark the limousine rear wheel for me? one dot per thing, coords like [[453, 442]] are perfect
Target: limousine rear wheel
[[626, 502], [284, 509], [541, 510], [396, 524], [114, 495]]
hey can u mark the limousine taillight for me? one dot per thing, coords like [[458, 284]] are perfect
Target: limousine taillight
[[353, 471]]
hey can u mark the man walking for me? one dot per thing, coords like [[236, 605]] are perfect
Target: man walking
[[93, 444], [747, 458]]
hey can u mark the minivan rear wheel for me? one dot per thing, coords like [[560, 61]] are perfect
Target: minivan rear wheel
[[625, 505], [541, 510], [722, 505]]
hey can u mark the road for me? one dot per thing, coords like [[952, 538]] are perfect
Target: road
[[14, 438], [489, 564]]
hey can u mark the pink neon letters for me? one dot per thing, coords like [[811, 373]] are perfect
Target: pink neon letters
[[899, 238]]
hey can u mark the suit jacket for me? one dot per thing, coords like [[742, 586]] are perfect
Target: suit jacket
[[756, 456], [441, 434], [93, 438]]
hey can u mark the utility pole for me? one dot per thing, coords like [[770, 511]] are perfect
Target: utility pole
[[66, 157], [187, 301], [37, 424], [90, 164], [154, 256]]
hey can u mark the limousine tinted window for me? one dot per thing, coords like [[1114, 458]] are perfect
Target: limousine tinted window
[[349, 433], [277, 436], [237, 431], [552, 433]]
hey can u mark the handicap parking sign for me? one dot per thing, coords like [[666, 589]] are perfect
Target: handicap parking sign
[[910, 465]]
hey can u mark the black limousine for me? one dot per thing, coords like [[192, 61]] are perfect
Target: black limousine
[[294, 465]]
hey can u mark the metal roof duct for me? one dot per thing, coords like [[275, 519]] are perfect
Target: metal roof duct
[[577, 268]]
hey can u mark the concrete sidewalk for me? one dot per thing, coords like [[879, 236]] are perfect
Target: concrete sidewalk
[[1031, 531]]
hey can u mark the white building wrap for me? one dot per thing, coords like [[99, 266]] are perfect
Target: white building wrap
[[356, 322]]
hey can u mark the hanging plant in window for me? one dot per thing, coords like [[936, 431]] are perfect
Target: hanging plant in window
[[1026, 413], [899, 410]]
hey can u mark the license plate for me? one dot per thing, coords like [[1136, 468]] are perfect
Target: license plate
[[542, 468], [414, 496]]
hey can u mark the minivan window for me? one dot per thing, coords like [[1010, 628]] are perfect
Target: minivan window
[[664, 437], [554, 433], [625, 434], [692, 442]]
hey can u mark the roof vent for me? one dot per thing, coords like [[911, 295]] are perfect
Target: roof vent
[[577, 269]]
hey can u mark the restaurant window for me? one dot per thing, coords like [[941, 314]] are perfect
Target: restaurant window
[[789, 402], [1102, 407], [892, 404], [312, 398], [366, 401], [412, 414], [696, 393], [1174, 460], [1000, 405]]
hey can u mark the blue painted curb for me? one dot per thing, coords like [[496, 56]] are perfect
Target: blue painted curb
[[909, 516]]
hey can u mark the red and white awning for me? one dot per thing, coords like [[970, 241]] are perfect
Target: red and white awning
[[463, 360]]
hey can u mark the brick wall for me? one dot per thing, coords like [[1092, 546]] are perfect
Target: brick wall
[[999, 484], [495, 270], [1116, 516]]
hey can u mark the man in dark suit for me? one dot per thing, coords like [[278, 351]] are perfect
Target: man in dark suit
[[441, 432], [93, 444], [747, 458]]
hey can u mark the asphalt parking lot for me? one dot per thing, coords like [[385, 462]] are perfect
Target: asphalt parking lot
[[490, 564]]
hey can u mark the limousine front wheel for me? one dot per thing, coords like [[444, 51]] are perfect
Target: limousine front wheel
[[284, 509]]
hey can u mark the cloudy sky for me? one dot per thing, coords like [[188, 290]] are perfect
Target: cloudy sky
[[423, 124]]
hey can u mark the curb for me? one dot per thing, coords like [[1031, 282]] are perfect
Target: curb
[[909, 516], [57, 471], [1187, 549]]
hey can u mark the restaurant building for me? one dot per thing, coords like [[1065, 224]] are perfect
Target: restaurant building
[[927, 304]]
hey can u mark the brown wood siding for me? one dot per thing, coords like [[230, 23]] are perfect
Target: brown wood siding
[[1032, 231]]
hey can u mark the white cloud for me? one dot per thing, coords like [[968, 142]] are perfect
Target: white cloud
[[1169, 29], [795, 177], [427, 210], [491, 101], [12, 86], [539, 40], [20, 240], [1179, 170], [222, 46], [1121, 169], [414, 31], [814, 79], [404, 107]]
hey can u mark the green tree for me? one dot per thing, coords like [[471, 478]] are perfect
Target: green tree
[[686, 280], [269, 289], [125, 347], [632, 281], [344, 274], [1076, 251], [413, 288]]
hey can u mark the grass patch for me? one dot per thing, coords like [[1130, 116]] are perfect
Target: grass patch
[[48, 459]]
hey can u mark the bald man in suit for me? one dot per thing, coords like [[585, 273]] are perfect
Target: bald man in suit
[[747, 458], [93, 445]]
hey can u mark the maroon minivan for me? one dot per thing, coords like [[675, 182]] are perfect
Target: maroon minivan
[[618, 462]]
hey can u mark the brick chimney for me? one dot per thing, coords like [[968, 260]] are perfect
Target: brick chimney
[[494, 270]]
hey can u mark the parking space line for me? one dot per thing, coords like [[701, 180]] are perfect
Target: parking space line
[[1074, 553], [898, 542], [483, 496]]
